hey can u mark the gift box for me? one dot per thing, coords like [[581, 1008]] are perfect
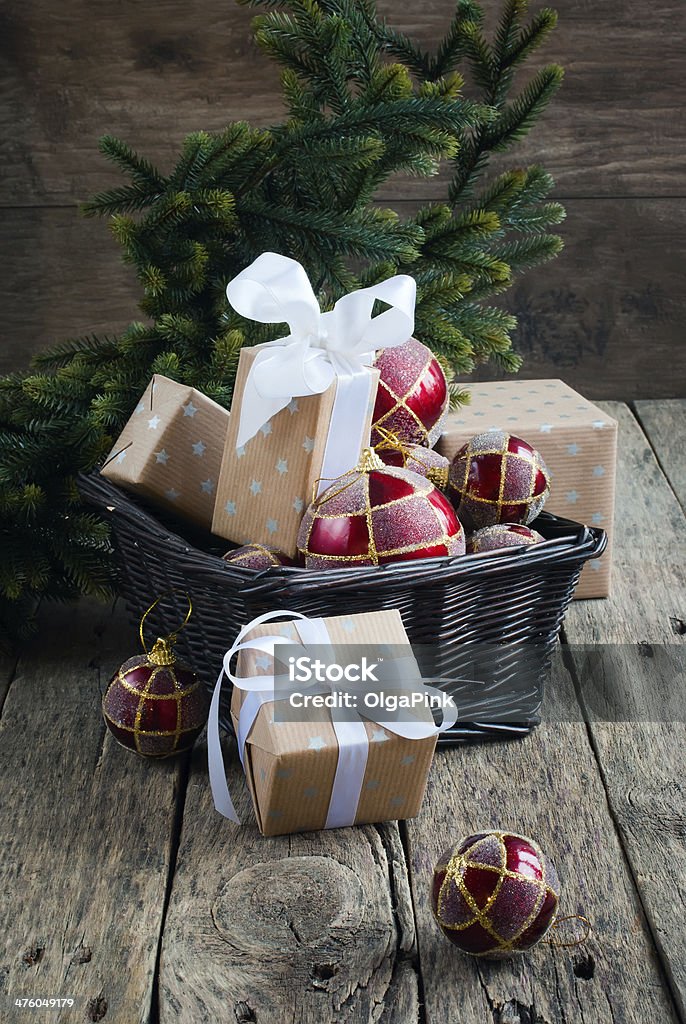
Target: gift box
[[170, 450], [303, 404], [266, 484], [577, 440], [304, 771]]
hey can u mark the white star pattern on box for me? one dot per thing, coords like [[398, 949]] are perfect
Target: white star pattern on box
[[276, 814], [266, 428], [316, 743], [272, 526], [308, 444], [199, 448], [154, 423], [263, 774], [298, 505], [240, 452], [408, 759], [573, 449], [489, 429], [172, 494], [310, 791], [255, 487], [479, 413], [598, 424], [230, 508], [599, 471], [397, 801], [545, 428], [121, 456], [349, 626], [596, 564], [189, 410], [207, 487], [263, 661], [373, 784], [571, 497], [597, 518], [282, 466], [139, 408], [379, 735], [162, 457], [284, 773], [293, 406]]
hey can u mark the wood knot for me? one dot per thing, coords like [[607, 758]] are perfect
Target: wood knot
[[286, 904]]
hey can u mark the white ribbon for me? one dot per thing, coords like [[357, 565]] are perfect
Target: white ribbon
[[351, 735], [321, 347]]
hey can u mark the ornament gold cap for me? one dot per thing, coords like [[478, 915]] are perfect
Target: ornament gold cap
[[162, 652], [369, 460]]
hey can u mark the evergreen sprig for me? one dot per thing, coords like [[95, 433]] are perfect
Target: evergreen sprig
[[364, 102]]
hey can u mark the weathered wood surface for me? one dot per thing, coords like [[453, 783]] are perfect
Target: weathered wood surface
[[664, 425], [86, 834], [336, 926], [606, 316], [313, 927], [641, 756], [151, 73]]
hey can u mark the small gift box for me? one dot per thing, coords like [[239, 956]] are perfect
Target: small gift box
[[364, 758], [303, 404], [171, 448], [578, 442]]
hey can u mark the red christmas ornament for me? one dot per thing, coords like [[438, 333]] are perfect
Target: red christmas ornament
[[497, 478], [154, 704], [413, 394], [502, 535], [257, 556], [423, 461], [377, 514], [495, 894]]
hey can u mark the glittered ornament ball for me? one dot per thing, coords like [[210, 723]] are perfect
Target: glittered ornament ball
[[502, 535], [377, 514], [257, 556], [495, 894], [423, 461], [412, 398], [153, 704], [497, 478]]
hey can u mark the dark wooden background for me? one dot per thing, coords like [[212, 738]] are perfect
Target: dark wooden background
[[607, 316]]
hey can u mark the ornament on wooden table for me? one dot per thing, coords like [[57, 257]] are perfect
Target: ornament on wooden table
[[413, 397], [377, 514], [495, 894], [154, 704], [257, 556], [502, 535], [497, 478], [393, 451]]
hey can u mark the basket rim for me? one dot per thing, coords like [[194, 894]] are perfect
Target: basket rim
[[573, 542]]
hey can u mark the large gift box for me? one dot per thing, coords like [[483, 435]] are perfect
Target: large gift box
[[171, 448], [302, 407], [577, 440], [313, 768]]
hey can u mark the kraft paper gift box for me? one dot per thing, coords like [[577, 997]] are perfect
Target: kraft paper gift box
[[291, 760], [578, 442], [266, 484], [170, 450]]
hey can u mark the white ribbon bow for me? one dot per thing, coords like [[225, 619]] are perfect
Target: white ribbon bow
[[321, 347], [351, 735]]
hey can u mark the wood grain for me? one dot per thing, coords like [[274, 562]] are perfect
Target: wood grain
[[641, 756], [663, 423], [546, 786], [607, 316], [86, 837], [314, 927], [151, 73]]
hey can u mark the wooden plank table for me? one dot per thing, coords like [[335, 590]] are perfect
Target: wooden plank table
[[124, 891]]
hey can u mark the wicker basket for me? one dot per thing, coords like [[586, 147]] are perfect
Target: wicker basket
[[485, 624]]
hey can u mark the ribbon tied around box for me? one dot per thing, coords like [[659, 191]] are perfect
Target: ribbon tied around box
[[338, 345], [351, 735]]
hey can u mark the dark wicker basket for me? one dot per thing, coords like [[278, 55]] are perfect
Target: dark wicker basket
[[485, 624]]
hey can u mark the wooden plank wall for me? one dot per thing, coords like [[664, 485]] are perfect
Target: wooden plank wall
[[607, 316]]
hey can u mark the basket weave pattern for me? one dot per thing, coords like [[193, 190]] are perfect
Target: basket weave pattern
[[502, 608]]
